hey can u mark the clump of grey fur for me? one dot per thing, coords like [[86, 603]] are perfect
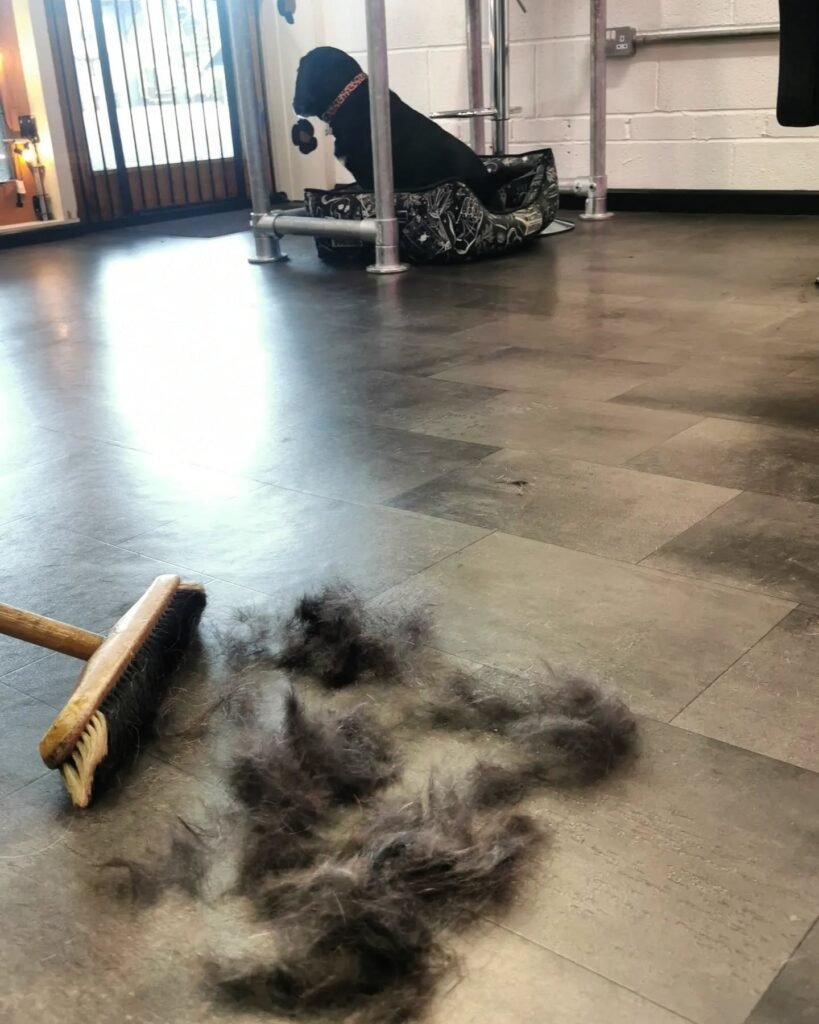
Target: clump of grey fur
[[571, 733], [442, 853], [359, 956], [362, 912], [333, 636], [183, 867], [362, 927], [582, 734], [290, 780], [249, 640]]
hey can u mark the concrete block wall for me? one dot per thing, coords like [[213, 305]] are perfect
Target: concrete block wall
[[687, 116]]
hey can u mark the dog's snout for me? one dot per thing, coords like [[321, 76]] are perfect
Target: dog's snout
[[300, 97]]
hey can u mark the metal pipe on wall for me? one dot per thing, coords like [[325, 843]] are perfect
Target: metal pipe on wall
[[499, 41], [240, 42], [685, 35], [463, 115], [597, 198], [387, 257], [474, 60]]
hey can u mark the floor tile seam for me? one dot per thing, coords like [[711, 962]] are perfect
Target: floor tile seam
[[159, 561], [793, 602], [650, 569], [388, 501], [4, 681], [695, 580], [592, 360], [262, 593], [657, 447], [626, 464], [108, 442], [208, 577], [14, 519], [438, 561], [14, 792], [588, 551], [590, 970], [745, 590], [779, 973], [4, 676], [500, 446], [35, 462], [738, 492], [261, 486], [719, 676], [709, 414], [564, 457], [737, 746]]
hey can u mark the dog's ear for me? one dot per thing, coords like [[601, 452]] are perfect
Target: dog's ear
[[305, 103]]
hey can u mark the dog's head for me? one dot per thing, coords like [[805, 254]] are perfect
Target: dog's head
[[322, 75]]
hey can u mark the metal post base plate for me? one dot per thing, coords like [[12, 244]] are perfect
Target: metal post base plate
[[388, 268], [596, 216], [259, 260], [267, 248]]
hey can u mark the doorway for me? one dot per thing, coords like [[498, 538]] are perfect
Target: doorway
[[149, 105]]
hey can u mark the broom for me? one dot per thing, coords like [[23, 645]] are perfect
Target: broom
[[122, 685]]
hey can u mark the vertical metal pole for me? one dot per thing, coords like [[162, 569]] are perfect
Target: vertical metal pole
[[387, 257], [230, 88], [474, 60], [499, 39], [111, 103], [238, 12], [597, 199]]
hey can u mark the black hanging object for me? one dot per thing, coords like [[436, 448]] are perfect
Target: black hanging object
[[287, 9], [798, 99], [27, 125], [304, 136]]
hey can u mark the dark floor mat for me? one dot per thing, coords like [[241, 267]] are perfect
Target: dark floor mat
[[210, 225]]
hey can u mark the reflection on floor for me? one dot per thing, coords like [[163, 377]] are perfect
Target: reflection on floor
[[603, 453]]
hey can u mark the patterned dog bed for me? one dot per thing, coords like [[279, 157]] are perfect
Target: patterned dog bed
[[446, 223]]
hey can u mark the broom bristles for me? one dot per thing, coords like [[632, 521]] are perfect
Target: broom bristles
[[113, 737]]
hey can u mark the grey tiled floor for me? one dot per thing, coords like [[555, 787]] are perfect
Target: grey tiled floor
[[602, 454]]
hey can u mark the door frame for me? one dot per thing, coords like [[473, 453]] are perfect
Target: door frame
[[152, 191], [283, 46]]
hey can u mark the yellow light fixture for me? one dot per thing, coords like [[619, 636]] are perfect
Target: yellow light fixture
[[25, 150]]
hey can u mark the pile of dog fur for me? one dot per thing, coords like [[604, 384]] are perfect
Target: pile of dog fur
[[361, 878]]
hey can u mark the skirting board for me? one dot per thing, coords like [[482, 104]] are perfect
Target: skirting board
[[701, 201]]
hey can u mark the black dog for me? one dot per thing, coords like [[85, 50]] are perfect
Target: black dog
[[331, 85]]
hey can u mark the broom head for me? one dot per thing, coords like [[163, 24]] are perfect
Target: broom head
[[101, 728]]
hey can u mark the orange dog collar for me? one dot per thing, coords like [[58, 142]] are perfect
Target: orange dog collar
[[348, 90]]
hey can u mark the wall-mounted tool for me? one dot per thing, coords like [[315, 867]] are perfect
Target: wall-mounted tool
[[25, 149], [287, 8]]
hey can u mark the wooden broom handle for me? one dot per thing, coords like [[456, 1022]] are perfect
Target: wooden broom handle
[[49, 633]]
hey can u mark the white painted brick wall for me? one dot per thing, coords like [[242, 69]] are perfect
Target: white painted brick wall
[[719, 76], [756, 12], [683, 116]]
